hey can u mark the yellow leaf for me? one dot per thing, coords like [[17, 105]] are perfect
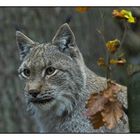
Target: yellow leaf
[[119, 61], [81, 9], [128, 16], [113, 61], [117, 14], [113, 45], [131, 20], [101, 61], [124, 14]]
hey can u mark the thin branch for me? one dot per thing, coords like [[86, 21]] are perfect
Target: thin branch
[[108, 71], [124, 34], [102, 36], [101, 32]]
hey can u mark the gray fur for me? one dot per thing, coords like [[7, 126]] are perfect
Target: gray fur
[[70, 85]]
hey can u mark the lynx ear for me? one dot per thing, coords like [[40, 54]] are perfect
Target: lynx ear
[[64, 37], [24, 44]]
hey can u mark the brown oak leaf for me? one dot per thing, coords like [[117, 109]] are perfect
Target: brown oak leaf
[[95, 104], [112, 113], [103, 108], [96, 120]]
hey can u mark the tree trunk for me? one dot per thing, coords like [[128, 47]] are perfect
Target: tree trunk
[[134, 99]]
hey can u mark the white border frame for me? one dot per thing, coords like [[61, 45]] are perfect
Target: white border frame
[[70, 3]]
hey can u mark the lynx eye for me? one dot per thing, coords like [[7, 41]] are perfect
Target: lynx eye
[[50, 71], [25, 73]]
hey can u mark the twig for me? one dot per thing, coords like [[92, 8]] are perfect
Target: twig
[[101, 32], [108, 71], [124, 34], [102, 35]]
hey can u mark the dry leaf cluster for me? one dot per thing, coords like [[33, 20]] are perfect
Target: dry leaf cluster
[[124, 14], [104, 108], [112, 47]]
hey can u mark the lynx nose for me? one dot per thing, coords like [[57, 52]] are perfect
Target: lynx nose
[[34, 93]]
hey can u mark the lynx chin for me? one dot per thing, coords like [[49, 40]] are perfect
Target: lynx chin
[[57, 84]]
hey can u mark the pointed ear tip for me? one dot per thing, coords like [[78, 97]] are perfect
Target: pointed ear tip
[[65, 25]]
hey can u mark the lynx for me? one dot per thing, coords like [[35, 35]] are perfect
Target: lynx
[[58, 83]]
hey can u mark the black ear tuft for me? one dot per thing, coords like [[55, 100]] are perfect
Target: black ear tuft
[[64, 37], [24, 44]]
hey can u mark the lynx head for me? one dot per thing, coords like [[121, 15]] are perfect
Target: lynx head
[[53, 72]]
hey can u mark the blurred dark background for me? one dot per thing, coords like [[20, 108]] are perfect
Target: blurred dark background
[[40, 24]]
